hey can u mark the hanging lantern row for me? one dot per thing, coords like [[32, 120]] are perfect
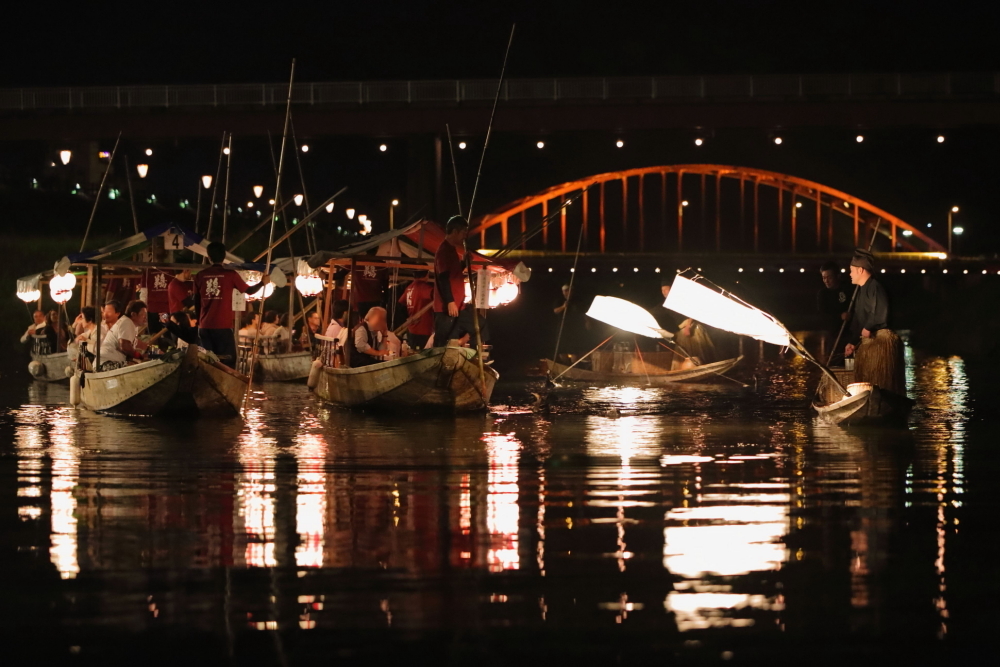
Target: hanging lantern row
[[30, 296]]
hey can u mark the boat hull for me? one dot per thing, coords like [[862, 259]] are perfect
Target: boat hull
[[53, 367], [285, 367], [439, 379], [696, 374], [187, 383], [871, 407]]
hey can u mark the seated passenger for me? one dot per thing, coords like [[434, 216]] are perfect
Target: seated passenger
[[339, 320], [122, 342], [370, 341], [42, 337], [250, 322]]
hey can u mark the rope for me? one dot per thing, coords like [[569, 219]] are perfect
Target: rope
[[572, 278]]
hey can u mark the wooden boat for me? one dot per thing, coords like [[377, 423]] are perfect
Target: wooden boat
[[443, 379], [50, 367], [185, 381], [867, 405], [283, 367], [653, 369]]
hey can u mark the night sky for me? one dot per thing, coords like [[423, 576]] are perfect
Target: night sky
[[216, 42]]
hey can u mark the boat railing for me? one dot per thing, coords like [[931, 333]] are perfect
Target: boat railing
[[329, 351], [40, 346]]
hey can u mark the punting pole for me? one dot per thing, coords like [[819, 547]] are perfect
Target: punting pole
[[603, 343], [131, 198], [215, 187], [854, 296], [100, 189], [472, 202], [454, 170], [310, 244], [270, 243], [99, 315], [225, 197]]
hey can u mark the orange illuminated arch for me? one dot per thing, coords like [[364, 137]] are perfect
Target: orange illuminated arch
[[825, 200]]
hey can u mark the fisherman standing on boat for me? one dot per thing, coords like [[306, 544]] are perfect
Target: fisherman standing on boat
[[179, 291], [154, 290], [214, 291], [452, 320], [878, 350]]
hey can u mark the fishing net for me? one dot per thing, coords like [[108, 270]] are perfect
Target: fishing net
[[879, 360]]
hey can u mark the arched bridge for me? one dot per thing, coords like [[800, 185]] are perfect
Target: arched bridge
[[697, 208]]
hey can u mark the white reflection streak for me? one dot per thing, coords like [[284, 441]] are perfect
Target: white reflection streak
[[957, 395], [310, 500], [65, 472], [502, 511], [255, 491], [29, 444]]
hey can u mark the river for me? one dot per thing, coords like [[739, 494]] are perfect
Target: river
[[691, 524]]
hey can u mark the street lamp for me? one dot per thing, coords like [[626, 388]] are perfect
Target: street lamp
[[350, 213], [329, 207], [298, 200], [540, 145], [143, 169], [206, 181], [952, 211], [392, 209], [305, 148], [149, 152], [699, 141], [619, 143], [258, 190], [65, 156], [461, 145], [383, 147]]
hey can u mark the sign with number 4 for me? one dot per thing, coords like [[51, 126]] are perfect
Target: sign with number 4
[[173, 241]]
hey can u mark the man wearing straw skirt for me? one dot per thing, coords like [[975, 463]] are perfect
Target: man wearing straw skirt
[[878, 351]]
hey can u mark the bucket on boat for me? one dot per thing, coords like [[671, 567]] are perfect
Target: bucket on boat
[[856, 388], [849, 364]]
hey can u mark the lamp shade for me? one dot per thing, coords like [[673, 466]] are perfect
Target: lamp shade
[[626, 316], [258, 190], [206, 181], [143, 169]]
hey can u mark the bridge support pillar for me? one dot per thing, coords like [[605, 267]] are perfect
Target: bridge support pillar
[[424, 187]]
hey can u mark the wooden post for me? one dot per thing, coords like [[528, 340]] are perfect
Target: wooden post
[[718, 212], [663, 204], [503, 233], [524, 230], [701, 213], [642, 215], [829, 228], [625, 214], [781, 215], [743, 211], [855, 226], [601, 215], [562, 222], [819, 220]]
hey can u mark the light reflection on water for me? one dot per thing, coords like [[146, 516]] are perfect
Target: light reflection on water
[[678, 510]]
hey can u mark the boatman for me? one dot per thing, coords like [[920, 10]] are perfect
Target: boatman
[[417, 295], [833, 300], [180, 291], [878, 350], [449, 285], [214, 291]]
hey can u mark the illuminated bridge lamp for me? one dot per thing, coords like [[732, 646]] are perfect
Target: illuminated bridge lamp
[[65, 156], [958, 231], [298, 200], [907, 232], [859, 138], [777, 141], [258, 190], [699, 141], [940, 139], [461, 145], [206, 181], [798, 204], [305, 148], [383, 147], [350, 213], [143, 169], [540, 145], [249, 204], [149, 152]]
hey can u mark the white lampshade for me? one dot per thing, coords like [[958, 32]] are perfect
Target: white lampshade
[[298, 200], [350, 213], [626, 316], [258, 190], [206, 181], [329, 207], [143, 169], [65, 156]]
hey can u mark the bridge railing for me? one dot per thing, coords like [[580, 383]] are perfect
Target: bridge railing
[[788, 87]]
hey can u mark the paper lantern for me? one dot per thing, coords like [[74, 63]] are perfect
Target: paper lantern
[[309, 285]]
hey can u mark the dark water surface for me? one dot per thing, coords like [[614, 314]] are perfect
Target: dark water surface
[[629, 525]]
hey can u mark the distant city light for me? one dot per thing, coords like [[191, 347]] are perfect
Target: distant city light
[[859, 138], [65, 156], [777, 140], [461, 145], [383, 147], [907, 232], [350, 213], [958, 231], [258, 190], [619, 143], [614, 270], [143, 169], [249, 204], [847, 204], [902, 270], [740, 269], [940, 139], [298, 200], [698, 141], [305, 148], [104, 155], [593, 269], [635, 270], [206, 181], [761, 270], [802, 270], [540, 144], [657, 269], [149, 151]]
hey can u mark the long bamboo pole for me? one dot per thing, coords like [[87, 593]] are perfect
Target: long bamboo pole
[[100, 189], [215, 187], [225, 198], [131, 197], [270, 244]]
